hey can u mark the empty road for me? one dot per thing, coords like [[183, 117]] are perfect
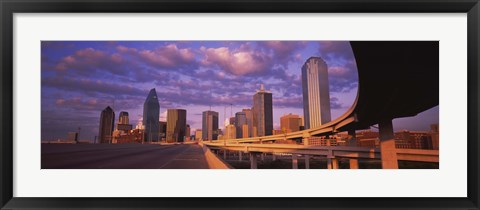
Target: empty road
[[122, 156]]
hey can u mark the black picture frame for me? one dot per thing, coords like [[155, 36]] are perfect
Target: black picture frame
[[10, 7]]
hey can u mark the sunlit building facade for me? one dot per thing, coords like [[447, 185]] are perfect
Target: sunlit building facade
[[176, 125], [240, 120], [230, 132], [316, 93], [290, 123], [210, 125], [249, 116]]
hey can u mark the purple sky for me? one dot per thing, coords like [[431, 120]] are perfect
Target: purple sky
[[81, 78]]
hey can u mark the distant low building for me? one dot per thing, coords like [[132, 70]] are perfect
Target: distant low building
[[133, 136], [72, 136], [434, 132], [124, 127], [198, 134], [277, 132], [290, 123], [413, 140]]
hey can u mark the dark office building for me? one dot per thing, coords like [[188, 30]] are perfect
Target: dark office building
[[162, 130], [263, 112], [123, 118], [176, 125], [209, 125], [107, 120], [123, 122], [240, 120], [151, 114]]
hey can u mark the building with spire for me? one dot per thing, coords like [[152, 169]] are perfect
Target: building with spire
[[107, 120], [316, 93], [151, 115], [263, 112]]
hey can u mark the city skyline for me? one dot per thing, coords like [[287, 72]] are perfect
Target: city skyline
[[86, 77]]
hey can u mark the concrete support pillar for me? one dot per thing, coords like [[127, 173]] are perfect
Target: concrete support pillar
[[294, 161], [274, 157], [388, 151], [240, 155], [253, 160], [225, 154], [262, 156], [305, 141], [353, 163], [307, 161], [352, 141], [332, 163]]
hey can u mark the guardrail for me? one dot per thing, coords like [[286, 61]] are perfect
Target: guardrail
[[213, 161], [331, 152]]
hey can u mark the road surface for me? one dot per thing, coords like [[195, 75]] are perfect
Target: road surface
[[122, 156]]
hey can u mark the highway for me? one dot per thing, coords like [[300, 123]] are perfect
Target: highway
[[122, 156]]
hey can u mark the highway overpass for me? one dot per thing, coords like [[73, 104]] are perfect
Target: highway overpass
[[395, 79]]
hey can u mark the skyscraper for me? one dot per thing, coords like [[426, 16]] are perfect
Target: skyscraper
[[198, 134], [123, 122], [162, 130], [316, 93], [107, 120], [240, 120], [151, 114], [187, 132], [123, 118], [230, 132], [231, 120], [249, 116], [263, 112], [209, 125], [176, 125]]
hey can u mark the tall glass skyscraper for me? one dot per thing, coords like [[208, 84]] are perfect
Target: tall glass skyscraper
[[151, 114], [263, 112], [176, 125], [240, 120], [316, 93], [209, 125], [107, 120]]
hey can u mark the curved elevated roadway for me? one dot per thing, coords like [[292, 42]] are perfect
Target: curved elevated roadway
[[396, 79]]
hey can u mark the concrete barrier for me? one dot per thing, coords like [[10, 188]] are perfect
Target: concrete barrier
[[213, 161]]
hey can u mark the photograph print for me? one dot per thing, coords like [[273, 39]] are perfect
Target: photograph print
[[240, 104]]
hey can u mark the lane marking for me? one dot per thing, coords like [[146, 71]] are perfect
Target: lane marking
[[175, 157]]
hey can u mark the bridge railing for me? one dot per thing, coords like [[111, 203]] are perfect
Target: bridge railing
[[332, 153]]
